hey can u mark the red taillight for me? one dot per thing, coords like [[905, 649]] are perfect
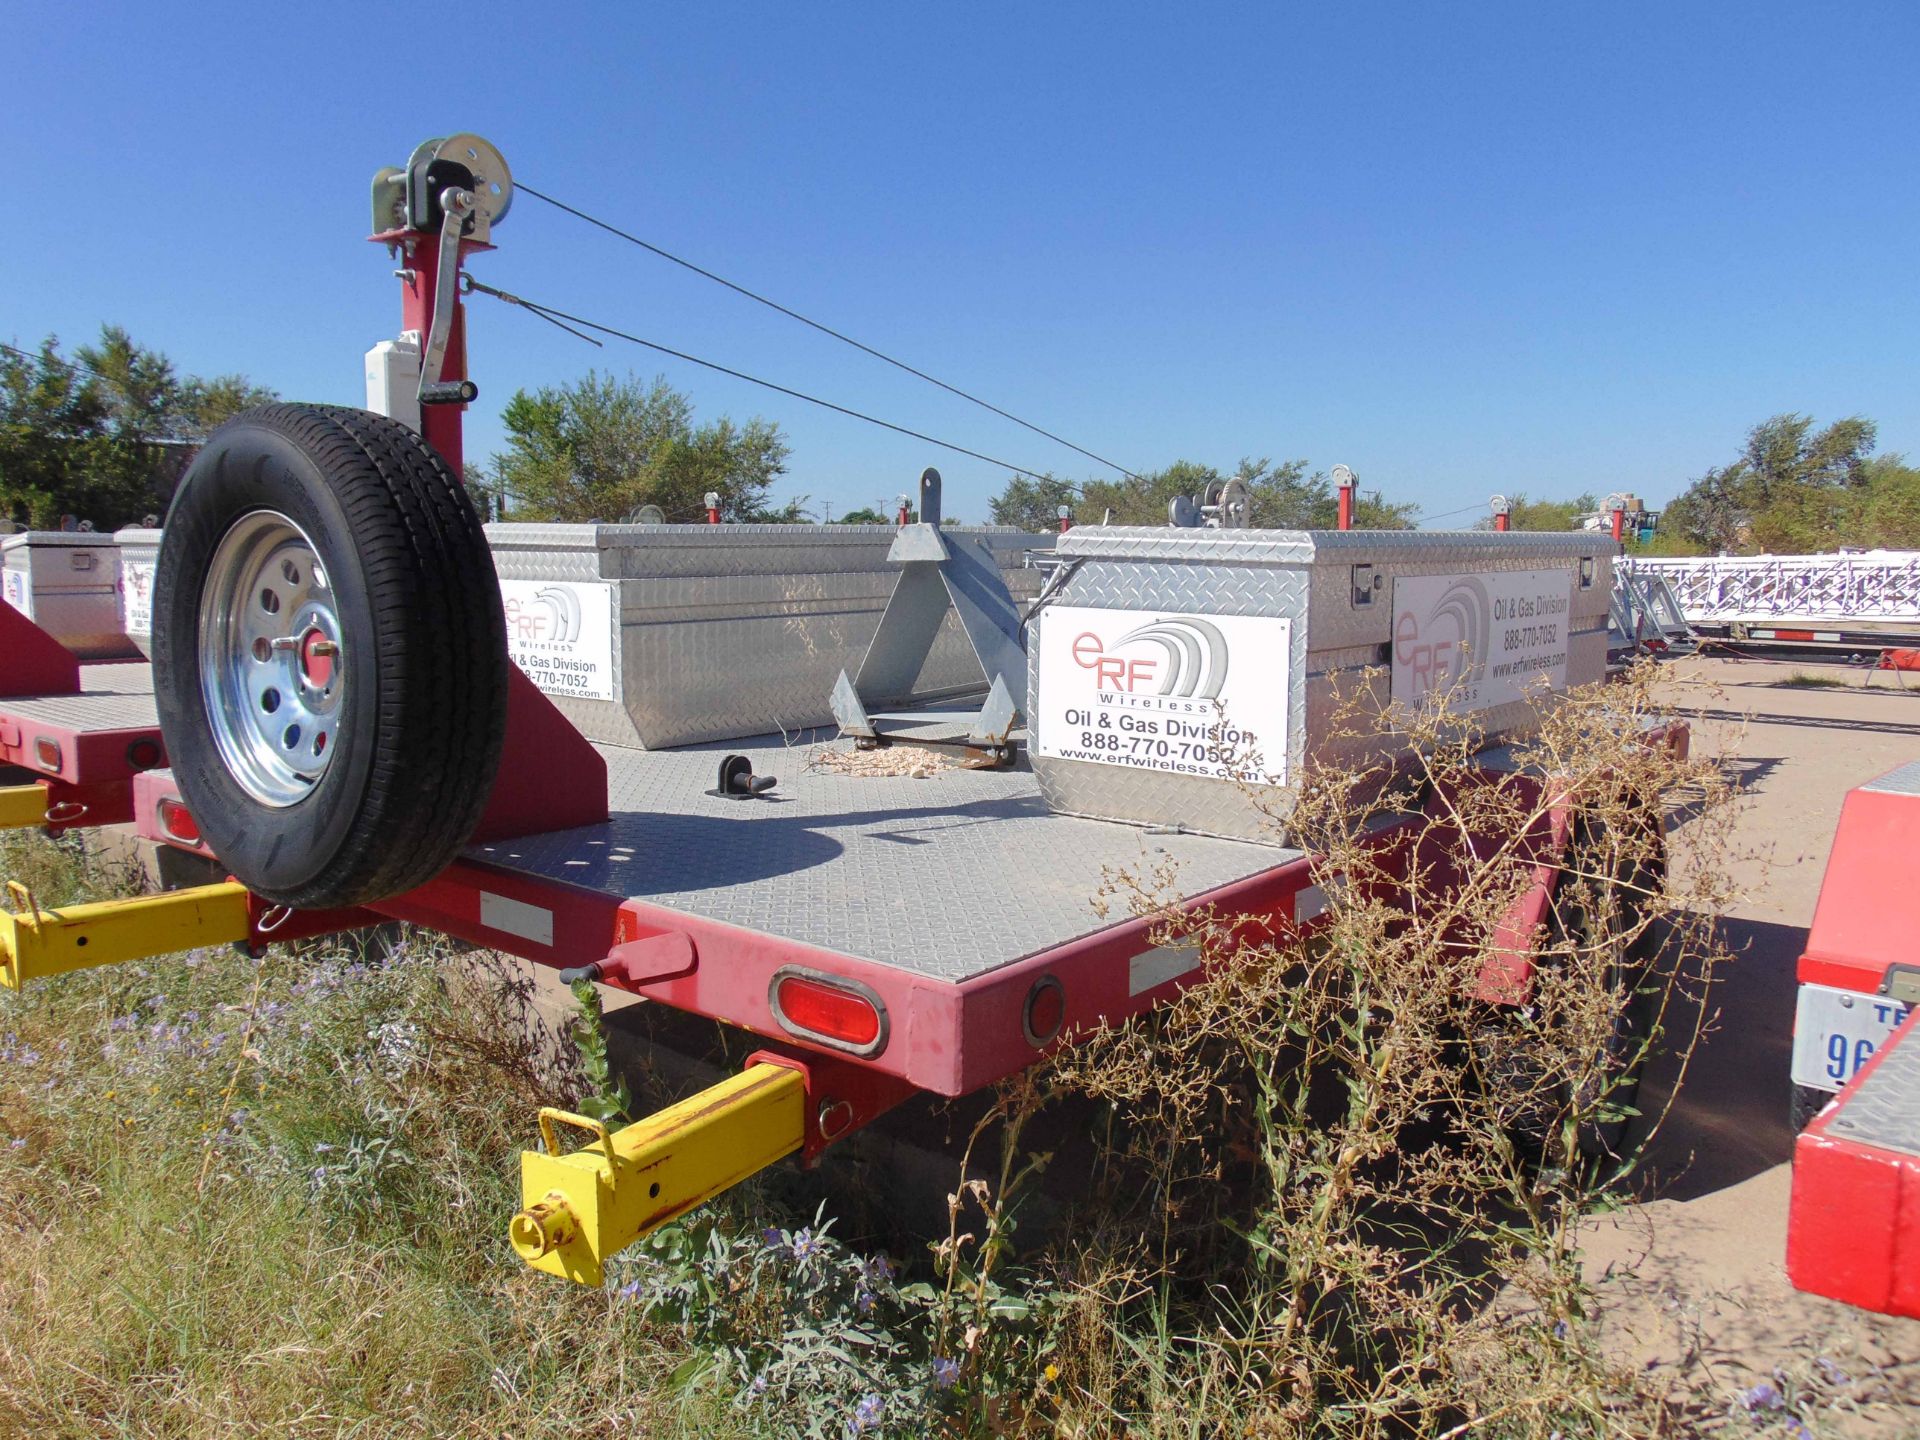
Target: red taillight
[[178, 822], [842, 1013], [47, 752], [143, 754]]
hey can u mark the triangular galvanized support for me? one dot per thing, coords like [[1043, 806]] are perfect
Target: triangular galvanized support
[[939, 572]]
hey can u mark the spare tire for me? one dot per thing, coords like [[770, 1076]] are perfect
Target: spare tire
[[329, 654]]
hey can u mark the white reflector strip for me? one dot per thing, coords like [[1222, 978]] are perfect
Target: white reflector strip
[[1309, 902], [516, 917], [1156, 967]]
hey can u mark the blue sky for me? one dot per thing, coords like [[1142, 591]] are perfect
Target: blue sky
[[1459, 248]]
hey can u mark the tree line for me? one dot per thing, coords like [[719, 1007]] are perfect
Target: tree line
[[1285, 497], [104, 435], [1793, 488]]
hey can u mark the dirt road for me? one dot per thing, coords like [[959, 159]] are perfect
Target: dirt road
[[1699, 1269]]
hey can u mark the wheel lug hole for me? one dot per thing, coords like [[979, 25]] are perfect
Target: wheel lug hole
[[292, 737], [270, 701], [263, 649], [270, 601]]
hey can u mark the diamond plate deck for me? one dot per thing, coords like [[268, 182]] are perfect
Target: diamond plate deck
[[112, 697], [948, 877], [1883, 1110], [1903, 781]]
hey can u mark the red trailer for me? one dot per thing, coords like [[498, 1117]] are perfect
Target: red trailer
[[332, 715], [1854, 1228]]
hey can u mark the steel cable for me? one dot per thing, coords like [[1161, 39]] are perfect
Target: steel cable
[[565, 320], [652, 249]]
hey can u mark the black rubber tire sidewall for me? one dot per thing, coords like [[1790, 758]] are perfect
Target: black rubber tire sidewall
[[407, 781], [1804, 1104]]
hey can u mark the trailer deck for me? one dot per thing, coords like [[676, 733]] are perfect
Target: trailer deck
[[81, 749], [946, 878], [948, 904], [117, 695]]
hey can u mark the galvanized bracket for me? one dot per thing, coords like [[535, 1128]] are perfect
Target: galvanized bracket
[[939, 572], [1902, 983]]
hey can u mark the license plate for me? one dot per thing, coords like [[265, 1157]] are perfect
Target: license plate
[[1835, 1032]]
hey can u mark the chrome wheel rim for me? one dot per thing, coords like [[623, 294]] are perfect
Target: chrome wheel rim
[[271, 668]]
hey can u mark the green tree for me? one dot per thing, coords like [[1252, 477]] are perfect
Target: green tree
[[1786, 476], [52, 426], [1032, 502], [865, 515], [1880, 507], [107, 435], [601, 447]]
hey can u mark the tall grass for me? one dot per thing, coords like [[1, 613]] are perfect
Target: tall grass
[[266, 1197]]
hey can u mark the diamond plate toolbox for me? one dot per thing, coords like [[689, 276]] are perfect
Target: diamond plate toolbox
[[68, 583], [1180, 677], [659, 635]]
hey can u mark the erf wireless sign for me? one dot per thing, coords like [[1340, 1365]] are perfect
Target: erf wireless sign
[[1202, 695], [1479, 641], [561, 634]]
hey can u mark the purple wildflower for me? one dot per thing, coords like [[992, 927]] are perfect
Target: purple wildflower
[[946, 1373], [1762, 1397], [866, 1415]]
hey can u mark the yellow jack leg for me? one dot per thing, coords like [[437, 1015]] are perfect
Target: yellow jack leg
[[22, 806], [36, 942], [583, 1208]]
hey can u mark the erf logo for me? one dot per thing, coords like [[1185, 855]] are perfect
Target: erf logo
[[552, 615], [1178, 655], [1451, 639], [1111, 670]]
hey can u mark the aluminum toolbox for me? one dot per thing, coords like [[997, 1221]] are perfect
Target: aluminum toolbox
[[68, 583], [1156, 644], [139, 556], [659, 635]]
